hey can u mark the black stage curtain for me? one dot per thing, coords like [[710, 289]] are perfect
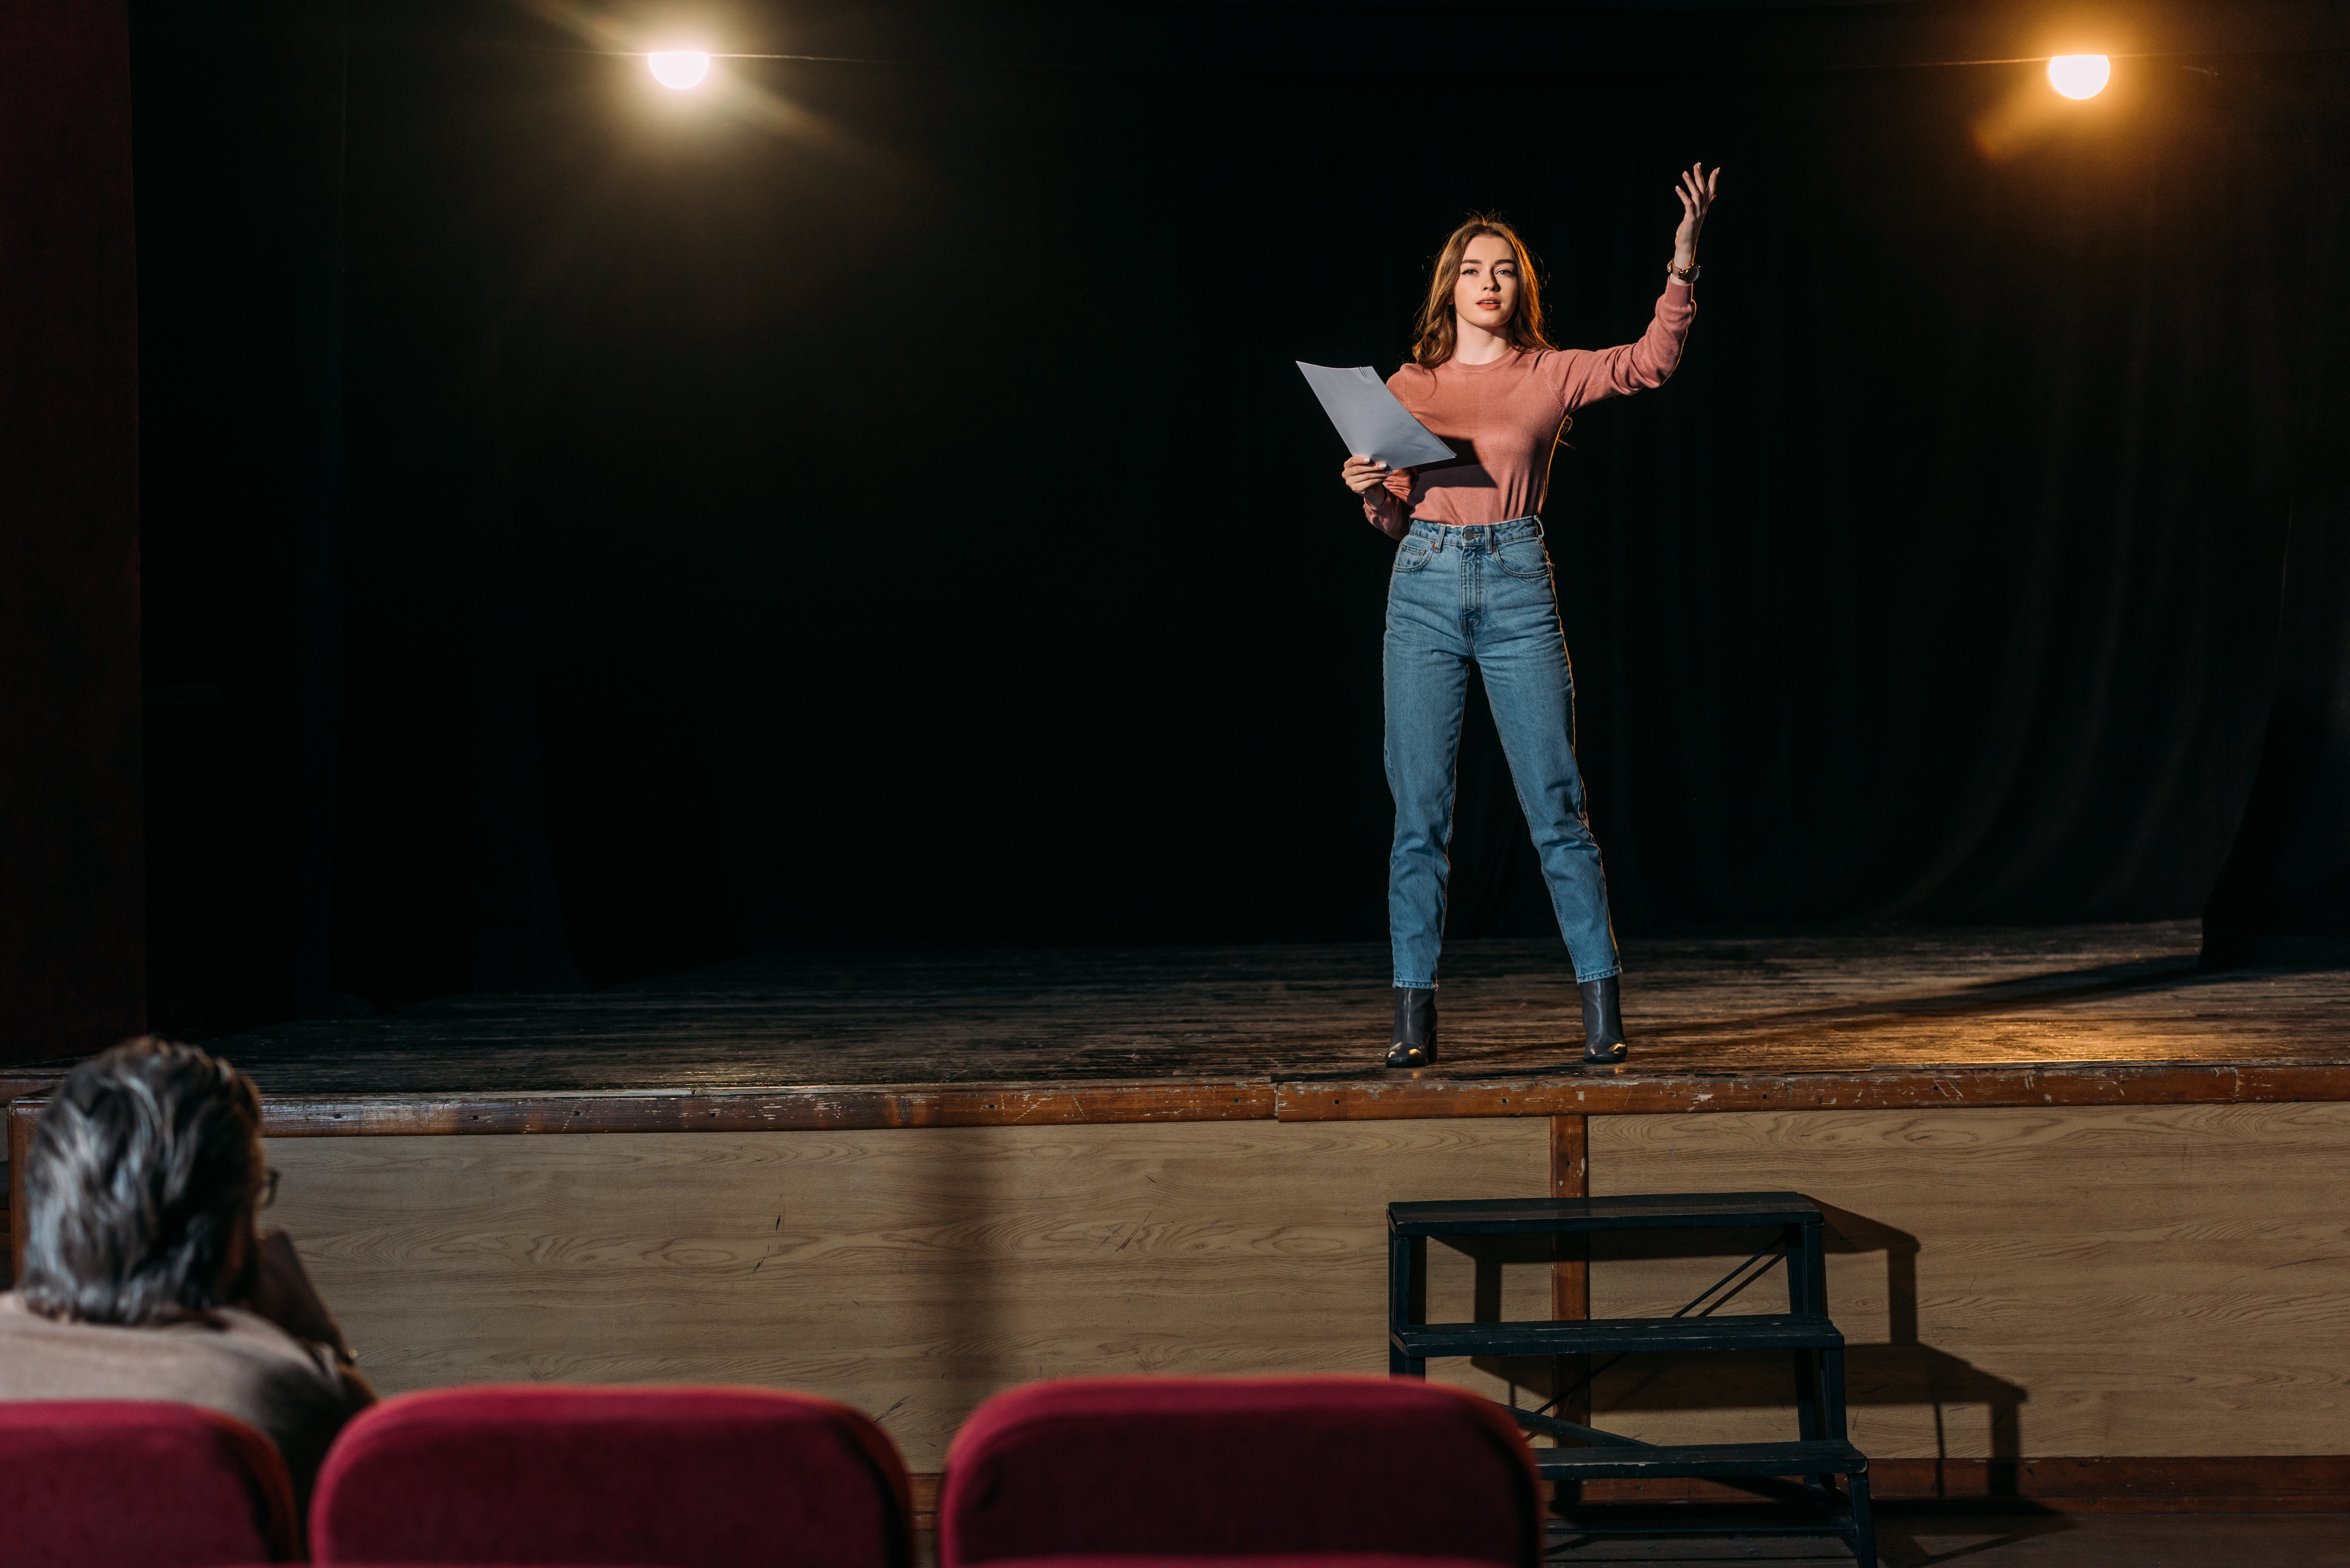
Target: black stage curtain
[[72, 968], [2284, 894], [886, 511]]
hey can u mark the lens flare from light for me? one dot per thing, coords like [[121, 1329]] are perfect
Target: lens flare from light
[[2080, 76], [684, 69]]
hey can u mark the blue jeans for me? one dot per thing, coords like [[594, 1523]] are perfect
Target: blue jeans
[[1482, 595]]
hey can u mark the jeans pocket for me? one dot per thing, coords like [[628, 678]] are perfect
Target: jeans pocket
[[1525, 558], [1411, 556]]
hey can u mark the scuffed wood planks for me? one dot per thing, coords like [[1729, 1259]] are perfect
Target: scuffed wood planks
[[1950, 1088], [837, 1109], [983, 1019], [2017, 1282], [2082, 1015], [911, 1273], [781, 1110]]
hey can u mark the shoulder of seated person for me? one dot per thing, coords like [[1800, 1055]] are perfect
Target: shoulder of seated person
[[246, 1324], [261, 1342], [233, 1321]]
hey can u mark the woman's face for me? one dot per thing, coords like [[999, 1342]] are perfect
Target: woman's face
[[1486, 293]]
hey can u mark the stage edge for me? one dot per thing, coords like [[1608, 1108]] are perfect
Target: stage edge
[[1616, 1094], [1627, 1093]]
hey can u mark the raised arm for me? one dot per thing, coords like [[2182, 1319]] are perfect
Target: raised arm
[[1587, 376]]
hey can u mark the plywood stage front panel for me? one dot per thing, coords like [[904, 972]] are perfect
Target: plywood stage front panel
[[2165, 1281], [910, 1272], [2157, 1281]]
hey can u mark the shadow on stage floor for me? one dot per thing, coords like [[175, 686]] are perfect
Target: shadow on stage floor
[[1780, 1004]]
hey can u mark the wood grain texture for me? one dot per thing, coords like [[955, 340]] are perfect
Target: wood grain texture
[[2154, 1281], [1570, 1177], [1570, 1284], [2108, 1015], [909, 1272], [790, 1110], [1642, 1090], [924, 1023], [829, 1108], [2160, 1282]]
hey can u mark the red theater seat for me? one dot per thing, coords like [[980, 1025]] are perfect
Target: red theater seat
[[137, 1483], [1277, 1560], [682, 1477], [1360, 1470]]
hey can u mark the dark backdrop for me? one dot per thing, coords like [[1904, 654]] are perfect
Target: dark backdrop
[[591, 531], [71, 921]]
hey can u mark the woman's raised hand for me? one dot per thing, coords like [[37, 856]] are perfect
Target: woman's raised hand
[[1363, 475], [1697, 190]]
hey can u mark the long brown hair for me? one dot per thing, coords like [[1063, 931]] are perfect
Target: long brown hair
[[1433, 343]]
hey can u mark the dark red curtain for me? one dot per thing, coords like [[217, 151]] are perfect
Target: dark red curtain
[[72, 964]]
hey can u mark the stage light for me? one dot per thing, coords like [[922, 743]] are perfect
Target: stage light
[[684, 69], [2080, 76]]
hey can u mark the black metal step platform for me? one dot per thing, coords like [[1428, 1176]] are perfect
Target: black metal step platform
[[1820, 1456], [1714, 1462], [1645, 1212], [1619, 1335]]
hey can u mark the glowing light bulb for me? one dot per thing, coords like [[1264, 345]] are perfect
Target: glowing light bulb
[[684, 69], [2080, 76]]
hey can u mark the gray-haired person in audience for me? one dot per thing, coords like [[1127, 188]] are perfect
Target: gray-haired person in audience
[[145, 1274]]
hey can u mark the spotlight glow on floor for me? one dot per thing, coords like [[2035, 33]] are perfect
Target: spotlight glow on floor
[[2080, 76], [684, 69]]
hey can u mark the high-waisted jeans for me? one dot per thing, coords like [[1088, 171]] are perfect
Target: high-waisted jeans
[[1483, 596]]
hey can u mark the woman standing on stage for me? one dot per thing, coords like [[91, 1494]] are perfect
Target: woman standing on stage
[[1472, 585]]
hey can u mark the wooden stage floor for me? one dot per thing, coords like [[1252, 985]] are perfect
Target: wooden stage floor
[[1164, 1034], [2085, 1196]]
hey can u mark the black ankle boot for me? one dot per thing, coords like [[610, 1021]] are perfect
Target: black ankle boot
[[1415, 1028], [1602, 1022]]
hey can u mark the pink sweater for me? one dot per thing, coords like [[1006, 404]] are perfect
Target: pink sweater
[[1503, 420]]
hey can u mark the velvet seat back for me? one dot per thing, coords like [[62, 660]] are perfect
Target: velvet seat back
[[135, 1483], [686, 1478], [1225, 1468]]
